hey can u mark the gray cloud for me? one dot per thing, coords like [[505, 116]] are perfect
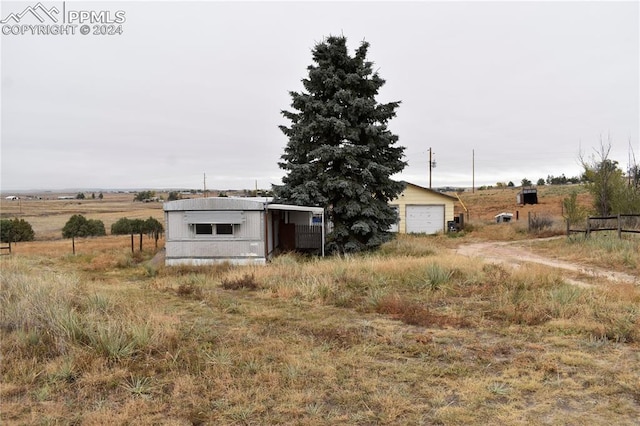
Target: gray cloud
[[193, 88]]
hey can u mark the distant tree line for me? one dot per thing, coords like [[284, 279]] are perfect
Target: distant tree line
[[145, 196], [80, 226], [563, 180], [151, 227], [550, 180], [81, 196]]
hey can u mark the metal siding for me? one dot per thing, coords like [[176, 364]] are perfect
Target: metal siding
[[247, 241], [211, 261], [428, 219], [214, 249], [175, 226], [224, 216], [216, 203], [252, 227], [270, 230]]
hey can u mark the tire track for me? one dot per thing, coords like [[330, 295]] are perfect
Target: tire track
[[514, 254]]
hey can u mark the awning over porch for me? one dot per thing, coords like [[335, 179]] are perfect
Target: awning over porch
[[314, 210]]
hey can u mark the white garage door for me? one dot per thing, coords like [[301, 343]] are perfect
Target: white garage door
[[425, 219]]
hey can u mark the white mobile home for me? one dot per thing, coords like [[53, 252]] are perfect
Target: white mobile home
[[238, 230]]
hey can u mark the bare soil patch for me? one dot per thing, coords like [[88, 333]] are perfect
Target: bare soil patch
[[516, 253]]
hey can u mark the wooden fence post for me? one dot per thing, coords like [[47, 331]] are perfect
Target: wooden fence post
[[619, 227], [588, 231]]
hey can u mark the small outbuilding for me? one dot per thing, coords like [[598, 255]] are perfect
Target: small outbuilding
[[423, 210], [527, 196], [239, 230], [503, 217]]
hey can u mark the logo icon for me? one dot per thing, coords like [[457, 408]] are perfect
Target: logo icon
[[38, 11]]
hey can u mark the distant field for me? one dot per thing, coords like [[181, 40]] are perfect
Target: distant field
[[47, 216]]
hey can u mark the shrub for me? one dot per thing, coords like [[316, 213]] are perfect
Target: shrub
[[79, 226], [246, 281], [414, 313], [191, 286], [14, 230], [437, 275], [538, 223]]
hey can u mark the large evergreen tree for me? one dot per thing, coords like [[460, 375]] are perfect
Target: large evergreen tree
[[340, 153]]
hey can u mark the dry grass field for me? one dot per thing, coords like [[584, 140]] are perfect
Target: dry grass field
[[416, 333], [484, 205], [48, 215]]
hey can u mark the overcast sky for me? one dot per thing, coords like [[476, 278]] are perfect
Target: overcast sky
[[195, 88]]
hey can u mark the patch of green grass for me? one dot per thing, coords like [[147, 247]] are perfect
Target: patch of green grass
[[436, 276]]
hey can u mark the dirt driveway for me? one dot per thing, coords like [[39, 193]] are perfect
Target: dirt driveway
[[515, 254]]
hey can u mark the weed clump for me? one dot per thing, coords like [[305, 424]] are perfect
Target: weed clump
[[245, 282], [436, 276], [413, 313], [539, 223], [190, 290]]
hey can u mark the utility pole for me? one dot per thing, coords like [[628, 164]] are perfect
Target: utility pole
[[204, 191], [432, 165], [473, 171]]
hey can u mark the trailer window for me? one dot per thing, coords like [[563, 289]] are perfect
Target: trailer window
[[204, 229], [224, 229], [213, 229]]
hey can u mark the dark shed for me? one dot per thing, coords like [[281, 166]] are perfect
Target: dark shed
[[527, 196]]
